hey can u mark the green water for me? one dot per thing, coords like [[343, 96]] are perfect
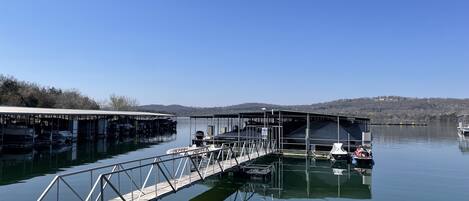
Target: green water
[[411, 163]]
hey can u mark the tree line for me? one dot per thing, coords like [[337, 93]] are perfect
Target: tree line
[[14, 92], [383, 109]]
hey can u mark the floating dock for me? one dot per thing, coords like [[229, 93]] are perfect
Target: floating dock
[[297, 133], [226, 141], [25, 128]]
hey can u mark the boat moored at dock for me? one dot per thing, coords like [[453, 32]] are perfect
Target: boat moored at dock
[[338, 153], [18, 137], [362, 156], [463, 126], [27, 127]]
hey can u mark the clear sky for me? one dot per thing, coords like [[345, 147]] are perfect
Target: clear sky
[[206, 53]]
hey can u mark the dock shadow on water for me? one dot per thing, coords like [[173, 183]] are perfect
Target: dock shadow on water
[[16, 167], [290, 178]]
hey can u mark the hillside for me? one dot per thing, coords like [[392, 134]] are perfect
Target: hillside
[[383, 109], [25, 94]]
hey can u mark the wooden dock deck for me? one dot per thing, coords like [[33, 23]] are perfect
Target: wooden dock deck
[[163, 188]]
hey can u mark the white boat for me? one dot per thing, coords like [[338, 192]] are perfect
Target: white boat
[[463, 130], [338, 153], [191, 150], [463, 127], [182, 150]]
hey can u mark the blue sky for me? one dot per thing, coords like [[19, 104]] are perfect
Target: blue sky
[[206, 53]]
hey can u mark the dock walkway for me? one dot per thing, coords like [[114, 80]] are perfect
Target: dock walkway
[[168, 173], [163, 188]]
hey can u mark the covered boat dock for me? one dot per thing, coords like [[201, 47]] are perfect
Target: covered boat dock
[[36, 126], [296, 132]]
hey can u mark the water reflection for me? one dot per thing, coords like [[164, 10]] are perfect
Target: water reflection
[[16, 167], [463, 144], [437, 133], [293, 179]]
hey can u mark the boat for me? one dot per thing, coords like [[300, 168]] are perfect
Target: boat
[[18, 137], [200, 139], [183, 150], [463, 127], [361, 156], [66, 136], [198, 146], [463, 131], [191, 150], [338, 152], [58, 137]]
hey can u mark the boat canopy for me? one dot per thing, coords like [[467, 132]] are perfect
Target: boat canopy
[[337, 149]]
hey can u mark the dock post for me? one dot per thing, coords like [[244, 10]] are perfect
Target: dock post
[[348, 140], [3, 131], [218, 127], [58, 124], [106, 122], [280, 131], [239, 129], [190, 131], [338, 128], [74, 127], [307, 134], [136, 127], [49, 123]]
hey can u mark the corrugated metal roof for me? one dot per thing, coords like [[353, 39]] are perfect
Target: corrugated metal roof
[[54, 111], [270, 113]]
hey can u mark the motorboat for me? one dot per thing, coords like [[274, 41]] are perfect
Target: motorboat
[[362, 155], [200, 138], [19, 137], [58, 137], [189, 150], [66, 135], [463, 130], [184, 150], [463, 127], [338, 153]]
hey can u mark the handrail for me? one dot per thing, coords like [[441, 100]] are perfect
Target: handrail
[[232, 150], [173, 183]]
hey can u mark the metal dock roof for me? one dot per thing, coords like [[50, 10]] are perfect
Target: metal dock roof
[[275, 112], [55, 111]]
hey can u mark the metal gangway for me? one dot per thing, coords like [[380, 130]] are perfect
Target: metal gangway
[[152, 177]]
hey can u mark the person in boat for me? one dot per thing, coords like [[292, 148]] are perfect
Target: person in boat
[[361, 152]]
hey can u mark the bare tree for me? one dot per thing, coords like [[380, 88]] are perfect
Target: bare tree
[[117, 102]]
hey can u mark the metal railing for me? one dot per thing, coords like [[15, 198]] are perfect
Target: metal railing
[[131, 180]]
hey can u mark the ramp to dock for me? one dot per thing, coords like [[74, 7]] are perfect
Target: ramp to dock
[[158, 175], [163, 188]]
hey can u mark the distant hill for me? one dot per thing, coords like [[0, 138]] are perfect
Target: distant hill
[[383, 109], [188, 111]]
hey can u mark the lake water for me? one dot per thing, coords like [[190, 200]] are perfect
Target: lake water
[[411, 163]]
